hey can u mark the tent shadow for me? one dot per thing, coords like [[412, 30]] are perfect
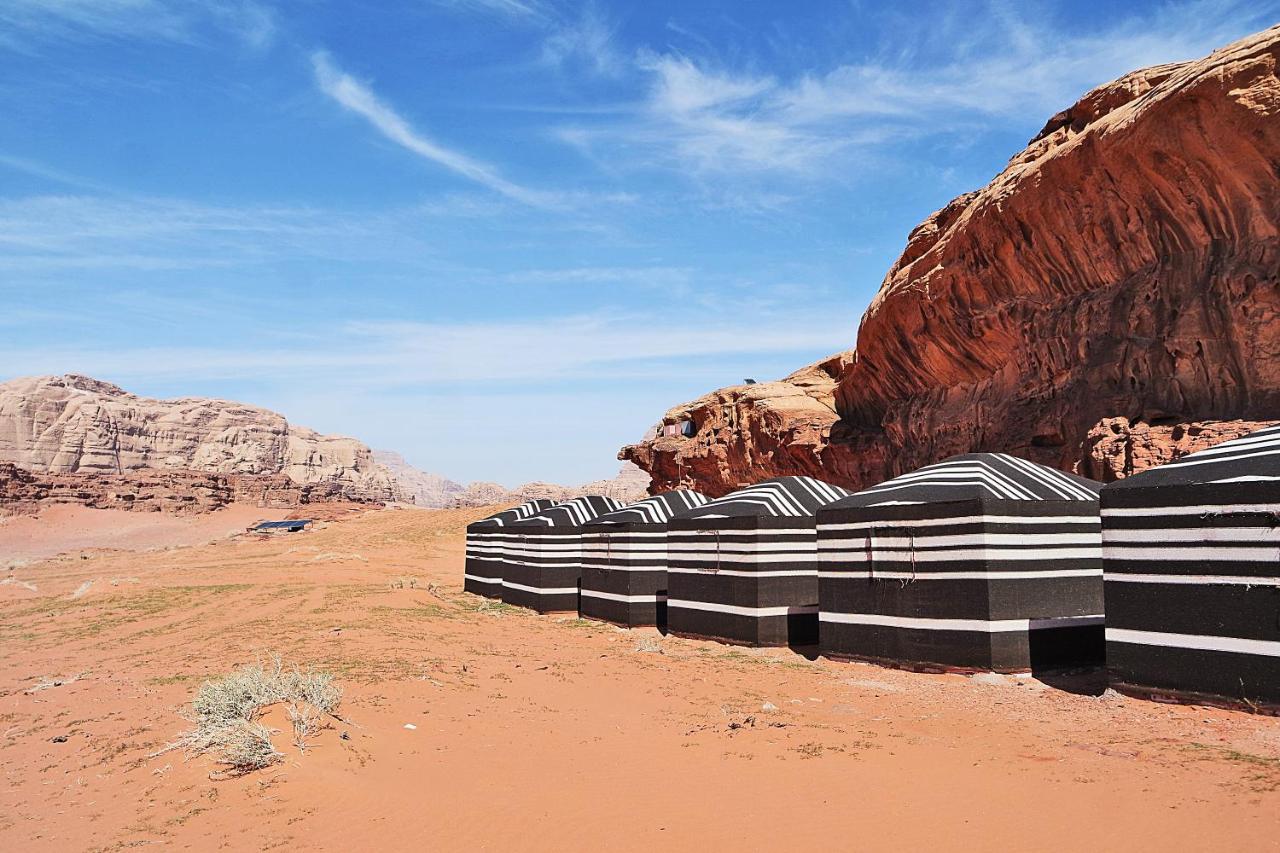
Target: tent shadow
[[1082, 681]]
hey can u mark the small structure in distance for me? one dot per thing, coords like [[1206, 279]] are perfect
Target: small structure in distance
[[293, 525]]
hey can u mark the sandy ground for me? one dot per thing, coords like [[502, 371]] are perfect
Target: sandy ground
[[532, 733], [66, 528]]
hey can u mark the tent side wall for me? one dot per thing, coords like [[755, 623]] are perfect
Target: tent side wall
[[750, 580], [1193, 591], [482, 572], [542, 568], [976, 584], [624, 574]]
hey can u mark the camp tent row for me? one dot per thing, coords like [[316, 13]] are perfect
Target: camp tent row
[[982, 561], [744, 568], [485, 541], [624, 560], [542, 562]]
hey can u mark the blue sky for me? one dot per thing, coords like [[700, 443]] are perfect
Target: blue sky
[[503, 236]]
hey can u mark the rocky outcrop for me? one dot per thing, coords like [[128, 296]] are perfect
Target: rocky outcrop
[[1125, 265], [1116, 448], [25, 492], [177, 492], [425, 489], [747, 433], [75, 424], [631, 484]]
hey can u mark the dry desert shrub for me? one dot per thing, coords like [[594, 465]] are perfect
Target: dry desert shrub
[[225, 713]]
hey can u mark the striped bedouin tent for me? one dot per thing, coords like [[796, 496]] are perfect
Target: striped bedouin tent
[[744, 568], [624, 560], [482, 571], [542, 559], [980, 562], [1191, 560]]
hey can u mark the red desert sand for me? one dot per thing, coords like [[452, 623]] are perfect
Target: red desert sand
[[470, 725]]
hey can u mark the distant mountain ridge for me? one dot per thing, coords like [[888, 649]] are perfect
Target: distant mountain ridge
[[78, 434], [629, 485], [75, 424]]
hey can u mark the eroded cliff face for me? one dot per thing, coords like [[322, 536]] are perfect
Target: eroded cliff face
[[747, 433], [1125, 265], [78, 425]]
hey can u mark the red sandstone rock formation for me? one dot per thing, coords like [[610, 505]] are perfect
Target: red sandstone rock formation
[[747, 433], [1123, 266], [1116, 448]]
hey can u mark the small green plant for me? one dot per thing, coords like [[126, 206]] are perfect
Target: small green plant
[[226, 713]]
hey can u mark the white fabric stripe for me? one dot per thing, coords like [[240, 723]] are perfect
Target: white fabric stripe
[[745, 559], [559, 590], [1223, 535], [610, 567], [993, 626], [881, 540], [851, 554], [1200, 642], [1182, 554], [1207, 580], [742, 548], [1238, 449], [1196, 509], [737, 610], [864, 575], [736, 573], [964, 519], [626, 599], [1052, 479], [479, 579]]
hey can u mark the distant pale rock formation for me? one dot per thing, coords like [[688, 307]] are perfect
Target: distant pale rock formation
[[630, 485], [74, 424], [426, 489]]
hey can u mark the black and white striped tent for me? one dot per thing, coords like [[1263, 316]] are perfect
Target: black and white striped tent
[[744, 568], [982, 561], [1191, 554], [482, 572], [542, 561], [624, 560]]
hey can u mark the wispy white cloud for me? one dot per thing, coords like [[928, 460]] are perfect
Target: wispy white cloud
[[358, 98], [630, 276], [588, 38], [964, 73], [601, 348], [26, 25], [520, 10]]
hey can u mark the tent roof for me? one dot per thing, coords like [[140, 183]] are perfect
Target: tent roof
[[781, 497], [1253, 458], [572, 513], [519, 513], [977, 476], [658, 509]]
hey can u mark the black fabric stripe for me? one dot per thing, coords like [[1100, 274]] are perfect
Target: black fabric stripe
[[1007, 651], [1219, 610], [792, 629], [1241, 677]]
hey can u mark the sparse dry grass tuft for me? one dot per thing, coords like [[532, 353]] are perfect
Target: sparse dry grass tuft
[[225, 713]]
